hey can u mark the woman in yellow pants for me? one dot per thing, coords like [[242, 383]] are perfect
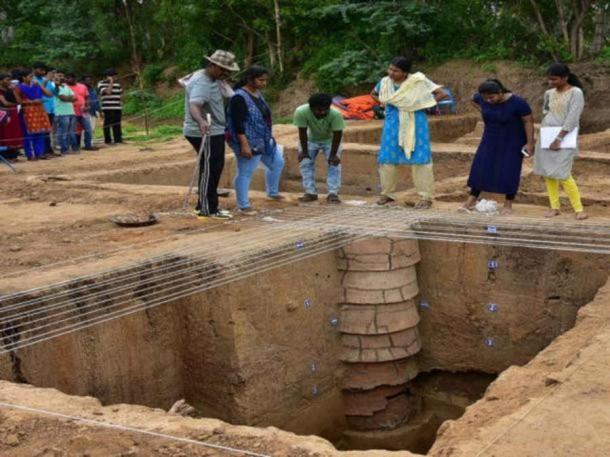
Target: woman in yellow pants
[[563, 106]]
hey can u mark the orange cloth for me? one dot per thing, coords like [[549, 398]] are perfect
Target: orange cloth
[[36, 119], [360, 107]]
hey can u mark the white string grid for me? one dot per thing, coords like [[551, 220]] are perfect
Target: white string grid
[[38, 315]]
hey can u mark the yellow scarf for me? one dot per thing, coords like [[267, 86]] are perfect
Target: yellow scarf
[[414, 94]]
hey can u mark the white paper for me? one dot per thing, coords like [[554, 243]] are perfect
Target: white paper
[[549, 134]]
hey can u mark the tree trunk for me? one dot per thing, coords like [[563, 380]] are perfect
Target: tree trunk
[[581, 9], [135, 57], [136, 61], [601, 29], [563, 23], [271, 50], [250, 49], [541, 22], [539, 17], [278, 37]]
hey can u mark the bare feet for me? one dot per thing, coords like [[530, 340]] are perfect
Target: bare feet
[[468, 205], [552, 213], [506, 211], [581, 216]]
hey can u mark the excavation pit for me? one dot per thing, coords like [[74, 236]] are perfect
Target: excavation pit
[[269, 350], [424, 346]]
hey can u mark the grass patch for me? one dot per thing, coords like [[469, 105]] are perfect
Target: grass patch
[[158, 133], [282, 120], [137, 103]]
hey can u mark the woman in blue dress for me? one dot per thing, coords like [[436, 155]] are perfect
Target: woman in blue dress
[[405, 139], [507, 137]]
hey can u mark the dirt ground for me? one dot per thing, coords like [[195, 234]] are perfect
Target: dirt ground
[[56, 213], [556, 405], [464, 76]]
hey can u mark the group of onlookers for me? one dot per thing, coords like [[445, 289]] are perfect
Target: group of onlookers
[[47, 112], [507, 140]]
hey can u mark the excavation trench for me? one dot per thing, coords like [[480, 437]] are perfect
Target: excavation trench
[[374, 345]]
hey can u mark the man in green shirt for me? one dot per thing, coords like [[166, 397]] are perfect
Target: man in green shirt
[[320, 129]]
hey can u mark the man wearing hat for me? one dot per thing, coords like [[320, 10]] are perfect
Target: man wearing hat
[[206, 91]]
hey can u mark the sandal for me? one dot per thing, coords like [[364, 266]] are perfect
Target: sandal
[[384, 200], [423, 204]]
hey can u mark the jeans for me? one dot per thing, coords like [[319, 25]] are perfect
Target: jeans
[[48, 138], [245, 170], [66, 133], [308, 169], [85, 123]]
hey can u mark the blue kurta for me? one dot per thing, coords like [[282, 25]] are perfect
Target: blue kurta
[[496, 167], [390, 152]]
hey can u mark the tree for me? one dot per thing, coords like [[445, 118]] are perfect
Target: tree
[[574, 17]]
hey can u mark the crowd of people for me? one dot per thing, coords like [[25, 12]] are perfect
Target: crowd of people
[[46, 112], [508, 138]]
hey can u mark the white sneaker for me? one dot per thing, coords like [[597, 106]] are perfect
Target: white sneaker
[[217, 215]]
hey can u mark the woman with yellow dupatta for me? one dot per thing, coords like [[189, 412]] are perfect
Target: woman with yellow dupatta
[[405, 139]]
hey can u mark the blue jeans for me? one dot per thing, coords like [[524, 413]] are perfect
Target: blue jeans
[[66, 133], [308, 169], [245, 169], [85, 122]]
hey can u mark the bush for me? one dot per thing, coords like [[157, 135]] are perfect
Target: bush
[[153, 73], [138, 102]]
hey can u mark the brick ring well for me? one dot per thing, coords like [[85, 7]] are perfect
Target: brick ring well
[[379, 334]]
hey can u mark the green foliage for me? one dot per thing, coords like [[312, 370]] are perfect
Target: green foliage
[[365, 36], [282, 120], [338, 42], [139, 102], [158, 133], [604, 56], [153, 73]]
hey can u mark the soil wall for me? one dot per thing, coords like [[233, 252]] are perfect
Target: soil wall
[[242, 352], [480, 318]]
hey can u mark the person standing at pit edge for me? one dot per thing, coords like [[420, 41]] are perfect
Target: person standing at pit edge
[[206, 91], [320, 128], [562, 107], [405, 139], [251, 138], [509, 131], [111, 94]]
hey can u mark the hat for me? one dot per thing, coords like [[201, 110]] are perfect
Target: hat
[[223, 59]]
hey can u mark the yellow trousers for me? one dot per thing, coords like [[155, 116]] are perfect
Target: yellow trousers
[[569, 186], [423, 180]]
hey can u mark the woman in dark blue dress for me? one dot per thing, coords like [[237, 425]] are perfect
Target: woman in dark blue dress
[[509, 130]]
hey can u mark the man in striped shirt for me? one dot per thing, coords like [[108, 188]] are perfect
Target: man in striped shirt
[[111, 92]]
